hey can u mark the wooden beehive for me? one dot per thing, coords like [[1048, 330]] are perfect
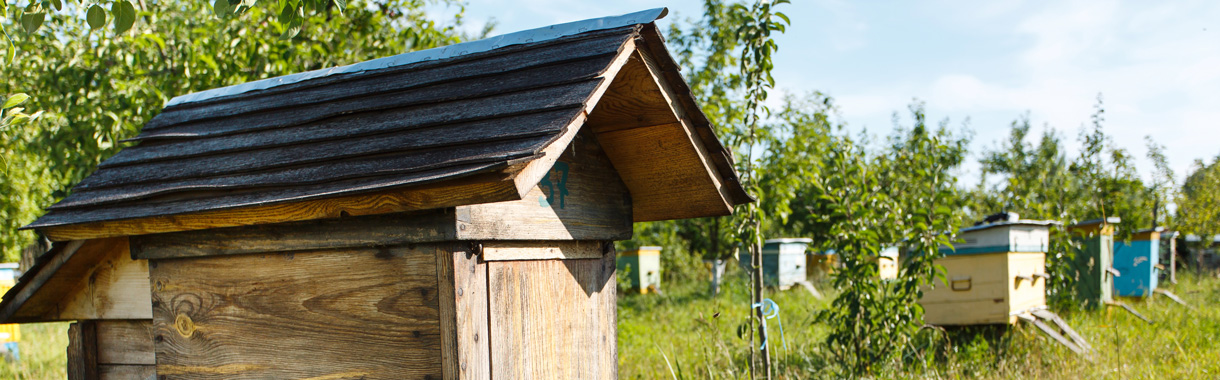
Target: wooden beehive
[[996, 272], [1094, 261], [445, 214], [820, 264], [643, 267], [1138, 264], [887, 263], [783, 261]]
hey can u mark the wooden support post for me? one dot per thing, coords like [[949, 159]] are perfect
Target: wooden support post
[[82, 351]]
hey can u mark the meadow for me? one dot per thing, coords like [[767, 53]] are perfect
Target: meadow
[[685, 334]]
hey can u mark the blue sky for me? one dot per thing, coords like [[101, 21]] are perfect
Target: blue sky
[[1157, 64]]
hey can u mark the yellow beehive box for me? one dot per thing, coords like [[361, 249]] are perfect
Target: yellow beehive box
[[9, 333], [996, 272]]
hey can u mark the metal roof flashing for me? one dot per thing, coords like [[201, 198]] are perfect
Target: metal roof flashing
[[1044, 223], [456, 50]]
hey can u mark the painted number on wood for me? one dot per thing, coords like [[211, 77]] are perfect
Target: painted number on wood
[[554, 185]]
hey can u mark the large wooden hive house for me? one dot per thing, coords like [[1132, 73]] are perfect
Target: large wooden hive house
[[441, 214]]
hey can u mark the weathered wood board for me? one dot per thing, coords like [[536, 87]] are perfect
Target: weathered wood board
[[553, 319], [580, 197], [465, 340], [115, 288], [96, 280], [336, 314]]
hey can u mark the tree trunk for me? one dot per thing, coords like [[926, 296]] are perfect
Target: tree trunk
[[756, 265]]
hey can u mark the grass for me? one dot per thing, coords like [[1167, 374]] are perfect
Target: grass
[[43, 350], [686, 334], [679, 335]]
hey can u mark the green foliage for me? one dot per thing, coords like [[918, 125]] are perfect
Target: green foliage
[[96, 88], [1199, 202], [906, 196]]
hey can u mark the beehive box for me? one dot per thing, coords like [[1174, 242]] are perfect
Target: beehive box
[[821, 264], [1138, 264], [1093, 264], [10, 333], [887, 263], [783, 261], [997, 272], [642, 266]]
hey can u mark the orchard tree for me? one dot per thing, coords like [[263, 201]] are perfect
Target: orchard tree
[[95, 88]]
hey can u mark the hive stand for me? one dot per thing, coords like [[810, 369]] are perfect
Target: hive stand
[[442, 214]]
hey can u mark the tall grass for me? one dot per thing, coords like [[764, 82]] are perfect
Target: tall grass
[[682, 328], [43, 348]]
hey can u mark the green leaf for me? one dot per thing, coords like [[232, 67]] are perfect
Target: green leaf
[[341, 4], [221, 8], [124, 15], [57, 4], [14, 100], [32, 18], [294, 22], [96, 16]]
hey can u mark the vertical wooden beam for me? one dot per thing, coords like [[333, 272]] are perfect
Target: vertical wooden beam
[[465, 347], [82, 351], [553, 319]]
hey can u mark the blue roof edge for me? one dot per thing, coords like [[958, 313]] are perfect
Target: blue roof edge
[[487, 44]]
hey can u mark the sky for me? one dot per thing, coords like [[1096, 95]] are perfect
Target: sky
[[981, 64]]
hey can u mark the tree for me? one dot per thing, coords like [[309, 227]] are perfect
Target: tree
[[97, 88], [904, 195], [1198, 204]]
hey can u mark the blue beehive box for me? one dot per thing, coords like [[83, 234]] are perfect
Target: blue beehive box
[[783, 261], [1138, 263]]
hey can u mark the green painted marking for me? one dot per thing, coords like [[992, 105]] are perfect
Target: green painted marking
[[554, 188]]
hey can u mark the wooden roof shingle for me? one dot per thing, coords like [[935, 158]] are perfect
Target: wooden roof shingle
[[480, 116]]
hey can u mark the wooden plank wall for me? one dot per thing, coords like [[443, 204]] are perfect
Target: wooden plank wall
[[336, 314], [580, 198], [553, 319]]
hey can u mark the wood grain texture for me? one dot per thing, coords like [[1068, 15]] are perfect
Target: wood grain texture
[[337, 314], [652, 43], [664, 173], [553, 319], [116, 287], [477, 189], [641, 125], [544, 250], [125, 342], [581, 197], [95, 280], [126, 372], [82, 351], [465, 348], [351, 232], [25, 301]]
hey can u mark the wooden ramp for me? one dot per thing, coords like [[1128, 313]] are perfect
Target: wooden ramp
[[1058, 330], [1129, 309], [1172, 296]]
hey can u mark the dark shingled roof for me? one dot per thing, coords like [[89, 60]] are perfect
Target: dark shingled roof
[[349, 134], [371, 127]]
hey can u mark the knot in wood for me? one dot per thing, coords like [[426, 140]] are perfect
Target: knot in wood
[[184, 325]]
